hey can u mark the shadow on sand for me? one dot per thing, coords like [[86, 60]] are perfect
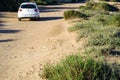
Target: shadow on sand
[[49, 18], [115, 53], [53, 8], [7, 40], [9, 31]]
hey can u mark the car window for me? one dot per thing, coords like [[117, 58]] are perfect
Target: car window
[[28, 6]]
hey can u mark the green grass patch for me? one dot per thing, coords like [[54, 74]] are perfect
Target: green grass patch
[[114, 20], [101, 31], [75, 67], [111, 0], [98, 7], [45, 2], [104, 7]]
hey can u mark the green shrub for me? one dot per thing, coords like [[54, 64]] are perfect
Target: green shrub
[[104, 0], [107, 19], [111, 0], [100, 30], [101, 6], [45, 2], [104, 38], [70, 14], [104, 7], [84, 8], [88, 11], [12, 5], [113, 20], [90, 4], [77, 68], [85, 28], [114, 0], [91, 9]]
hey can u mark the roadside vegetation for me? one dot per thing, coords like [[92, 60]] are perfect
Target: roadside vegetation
[[111, 0], [102, 33], [101, 30], [45, 2], [76, 67], [12, 5], [100, 6], [9, 5]]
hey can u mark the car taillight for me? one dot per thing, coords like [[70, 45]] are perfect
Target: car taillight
[[20, 10], [35, 10]]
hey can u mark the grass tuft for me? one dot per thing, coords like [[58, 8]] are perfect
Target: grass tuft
[[75, 67], [101, 6], [100, 30]]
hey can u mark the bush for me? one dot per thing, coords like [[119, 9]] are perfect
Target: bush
[[114, 0], [113, 20], [90, 4], [111, 0], [104, 38], [101, 6], [77, 68], [70, 14], [12, 5], [92, 9], [88, 11], [8, 5], [83, 8], [100, 31], [104, 7], [45, 2]]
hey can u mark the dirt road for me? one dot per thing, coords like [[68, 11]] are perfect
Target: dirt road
[[27, 45]]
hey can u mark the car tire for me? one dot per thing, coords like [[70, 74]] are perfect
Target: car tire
[[19, 19], [31, 19], [37, 18]]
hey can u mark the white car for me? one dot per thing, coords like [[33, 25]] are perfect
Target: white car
[[28, 10]]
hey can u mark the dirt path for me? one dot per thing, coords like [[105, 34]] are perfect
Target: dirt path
[[27, 45]]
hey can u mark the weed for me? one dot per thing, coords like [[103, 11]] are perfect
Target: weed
[[114, 19], [101, 6], [101, 31], [75, 67], [104, 7], [102, 34]]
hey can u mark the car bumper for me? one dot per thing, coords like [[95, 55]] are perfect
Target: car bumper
[[28, 16]]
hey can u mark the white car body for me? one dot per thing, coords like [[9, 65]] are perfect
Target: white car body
[[28, 10]]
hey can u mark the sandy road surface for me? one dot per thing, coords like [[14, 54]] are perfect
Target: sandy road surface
[[25, 46]]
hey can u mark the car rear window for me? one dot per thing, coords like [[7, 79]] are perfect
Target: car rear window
[[28, 6]]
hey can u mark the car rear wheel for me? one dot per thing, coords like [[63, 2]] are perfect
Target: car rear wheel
[[34, 19], [37, 18], [19, 19]]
